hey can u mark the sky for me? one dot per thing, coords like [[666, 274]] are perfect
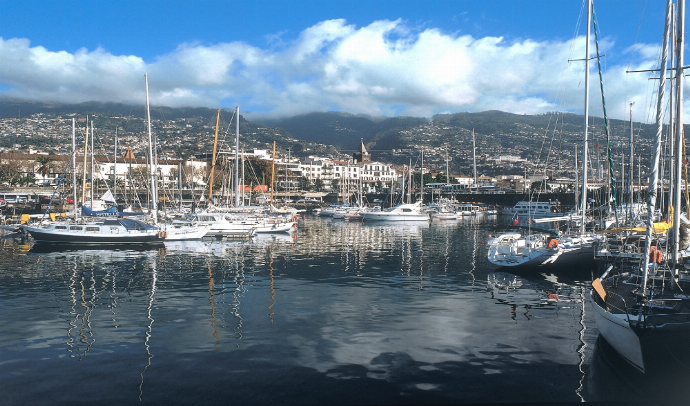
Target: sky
[[277, 58]]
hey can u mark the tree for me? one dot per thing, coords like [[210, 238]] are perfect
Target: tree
[[44, 165], [318, 185], [540, 186], [305, 183]]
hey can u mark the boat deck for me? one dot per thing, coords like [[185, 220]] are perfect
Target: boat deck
[[667, 301]]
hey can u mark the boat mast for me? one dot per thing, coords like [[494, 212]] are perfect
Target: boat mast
[[630, 169], [86, 152], [92, 166], [474, 160], [409, 183], [273, 170], [115, 171], [584, 151], [74, 168], [237, 157], [244, 181], [577, 174], [421, 180], [679, 131], [213, 158], [152, 163], [656, 150]]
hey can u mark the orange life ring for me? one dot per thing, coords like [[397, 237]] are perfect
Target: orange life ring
[[553, 243], [655, 255]]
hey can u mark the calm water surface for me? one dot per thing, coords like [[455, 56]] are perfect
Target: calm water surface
[[340, 313]]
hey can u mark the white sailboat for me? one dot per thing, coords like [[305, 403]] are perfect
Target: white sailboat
[[79, 231], [644, 312], [537, 247]]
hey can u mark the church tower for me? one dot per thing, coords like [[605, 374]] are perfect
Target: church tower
[[362, 156]]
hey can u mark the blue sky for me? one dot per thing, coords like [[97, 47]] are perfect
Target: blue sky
[[377, 57]]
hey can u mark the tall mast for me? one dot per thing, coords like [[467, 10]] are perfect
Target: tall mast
[[656, 149], [86, 152], [421, 180], [243, 180], [152, 163], [237, 157], [679, 129], [115, 170], [409, 184], [273, 170], [92, 166], [630, 169], [74, 168], [584, 150], [474, 159], [213, 158]]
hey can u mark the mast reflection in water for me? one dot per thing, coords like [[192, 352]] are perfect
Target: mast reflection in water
[[340, 313]]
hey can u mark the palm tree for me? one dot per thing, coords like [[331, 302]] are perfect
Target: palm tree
[[44, 162]]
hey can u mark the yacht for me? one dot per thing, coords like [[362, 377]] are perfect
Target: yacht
[[401, 212]]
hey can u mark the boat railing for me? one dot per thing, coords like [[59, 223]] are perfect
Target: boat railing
[[613, 302]]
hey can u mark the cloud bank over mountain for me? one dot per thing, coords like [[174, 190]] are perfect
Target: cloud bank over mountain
[[385, 68]]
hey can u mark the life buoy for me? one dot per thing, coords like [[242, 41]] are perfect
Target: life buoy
[[655, 255], [553, 243]]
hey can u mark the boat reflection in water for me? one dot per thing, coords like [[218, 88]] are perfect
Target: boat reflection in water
[[530, 298]]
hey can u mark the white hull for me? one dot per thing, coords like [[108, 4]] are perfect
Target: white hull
[[513, 249], [174, 233], [402, 212], [617, 332], [380, 217]]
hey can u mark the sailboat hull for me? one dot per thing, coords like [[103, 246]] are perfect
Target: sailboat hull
[[653, 344], [45, 236], [617, 332]]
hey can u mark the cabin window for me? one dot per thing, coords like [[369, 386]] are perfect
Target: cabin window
[[76, 228], [92, 228], [61, 227]]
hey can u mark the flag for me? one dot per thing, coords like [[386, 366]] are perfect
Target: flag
[[515, 219]]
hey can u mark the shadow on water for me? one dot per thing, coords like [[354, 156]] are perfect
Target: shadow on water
[[613, 379], [220, 377]]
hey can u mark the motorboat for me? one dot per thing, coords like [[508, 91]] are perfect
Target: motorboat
[[401, 212]]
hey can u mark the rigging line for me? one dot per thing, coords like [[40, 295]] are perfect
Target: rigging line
[[606, 119]]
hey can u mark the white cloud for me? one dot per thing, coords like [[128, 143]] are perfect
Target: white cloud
[[384, 68]]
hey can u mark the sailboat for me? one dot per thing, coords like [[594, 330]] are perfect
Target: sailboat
[[169, 231], [643, 312], [541, 247], [98, 231]]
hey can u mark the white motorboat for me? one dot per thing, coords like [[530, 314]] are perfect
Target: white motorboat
[[183, 230], [218, 226], [401, 212], [534, 210]]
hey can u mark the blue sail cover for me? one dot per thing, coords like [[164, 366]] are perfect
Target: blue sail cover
[[110, 212]]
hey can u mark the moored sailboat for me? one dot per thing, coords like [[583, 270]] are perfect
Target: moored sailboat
[[643, 311]]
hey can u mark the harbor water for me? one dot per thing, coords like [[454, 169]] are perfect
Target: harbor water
[[338, 313]]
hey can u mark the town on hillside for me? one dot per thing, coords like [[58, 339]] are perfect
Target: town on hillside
[[35, 153]]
